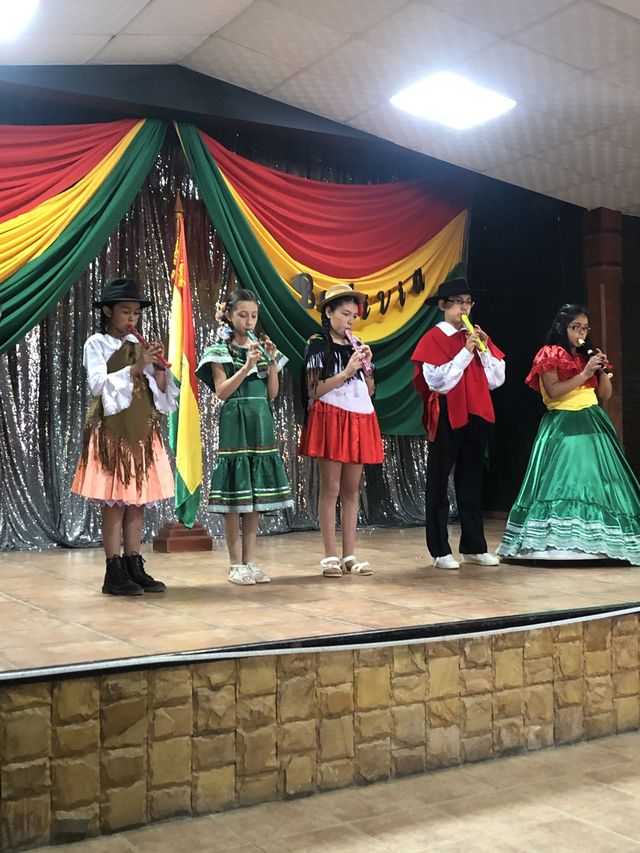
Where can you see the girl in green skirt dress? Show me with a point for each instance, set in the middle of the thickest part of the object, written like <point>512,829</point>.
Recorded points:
<point>249,475</point>
<point>579,499</point>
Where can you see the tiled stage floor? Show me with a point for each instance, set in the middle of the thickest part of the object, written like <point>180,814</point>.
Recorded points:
<point>574,798</point>
<point>52,611</point>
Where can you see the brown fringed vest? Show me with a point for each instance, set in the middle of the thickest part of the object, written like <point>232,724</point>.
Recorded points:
<point>129,435</point>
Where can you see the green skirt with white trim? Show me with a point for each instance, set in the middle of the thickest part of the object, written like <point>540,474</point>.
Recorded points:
<point>580,498</point>
<point>249,474</point>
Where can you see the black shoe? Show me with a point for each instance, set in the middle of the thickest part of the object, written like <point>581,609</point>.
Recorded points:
<point>117,581</point>
<point>134,565</point>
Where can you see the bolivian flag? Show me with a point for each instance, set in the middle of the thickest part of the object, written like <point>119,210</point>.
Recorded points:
<point>184,425</point>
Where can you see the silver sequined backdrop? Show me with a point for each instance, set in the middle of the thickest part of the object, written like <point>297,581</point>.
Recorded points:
<point>44,396</point>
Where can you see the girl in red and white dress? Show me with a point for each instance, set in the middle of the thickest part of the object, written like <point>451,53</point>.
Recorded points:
<point>341,428</point>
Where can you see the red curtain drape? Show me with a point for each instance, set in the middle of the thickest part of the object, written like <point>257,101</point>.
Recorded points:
<point>39,162</point>
<point>343,230</point>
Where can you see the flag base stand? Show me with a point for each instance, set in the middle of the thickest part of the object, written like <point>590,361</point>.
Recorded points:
<point>174,537</point>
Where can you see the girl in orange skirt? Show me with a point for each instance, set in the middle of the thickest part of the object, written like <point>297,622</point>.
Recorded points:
<point>123,463</point>
<point>341,427</point>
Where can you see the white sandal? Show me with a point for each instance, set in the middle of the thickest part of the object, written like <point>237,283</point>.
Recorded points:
<point>240,574</point>
<point>331,567</point>
<point>353,566</point>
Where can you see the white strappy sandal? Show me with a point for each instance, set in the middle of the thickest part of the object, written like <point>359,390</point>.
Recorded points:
<point>331,567</point>
<point>353,566</point>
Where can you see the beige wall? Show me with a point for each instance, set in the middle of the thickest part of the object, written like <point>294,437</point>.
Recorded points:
<point>91,755</point>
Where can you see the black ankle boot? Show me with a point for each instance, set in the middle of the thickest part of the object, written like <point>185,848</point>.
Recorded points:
<point>134,565</point>
<point>117,581</point>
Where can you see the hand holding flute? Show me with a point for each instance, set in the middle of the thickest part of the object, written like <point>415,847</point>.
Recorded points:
<point>155,349</point>
<point>361,348</point>
<point>263,346</point>
<point>477,331</point>
<point>600,361</point>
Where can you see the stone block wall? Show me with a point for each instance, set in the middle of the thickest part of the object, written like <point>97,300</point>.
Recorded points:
<point>89,755</point>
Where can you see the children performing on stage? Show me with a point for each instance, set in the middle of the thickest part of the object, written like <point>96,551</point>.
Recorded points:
<point>341,428</point>
<point>123,463</point>
<point>249,475</point>
<point>579,498</point>
<point>456,367</point>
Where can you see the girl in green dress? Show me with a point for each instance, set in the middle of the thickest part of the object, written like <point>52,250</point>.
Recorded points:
<point>249,475</point>
<point>579,498</point>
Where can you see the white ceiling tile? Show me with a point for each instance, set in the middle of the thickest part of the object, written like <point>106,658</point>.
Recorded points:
<point>535,174</point>
<point>629,7</point>
<point>633,210</point>
<point>348,81</point>
<point>84,16</point>
<point>593,156</point>
<point>589,104</point>
<point>459,147</point>
<point>146,50</point>
<point>434,38</point>
<point>527,130</point>
<point>584,35</point>
<point>238,65</point>
<point>282,34</point>
<point>197,16</point>
<point>626,133</point>
<point>51,49</point>
<point>350,16</point>
<point>500,17</point>
<point>517,71</point>
<point>624,72</point>
<point>628,179</point>
<point>594,194</point>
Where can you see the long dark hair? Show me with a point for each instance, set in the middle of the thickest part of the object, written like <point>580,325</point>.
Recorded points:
<point>332,350</point>
<point>557,334</point>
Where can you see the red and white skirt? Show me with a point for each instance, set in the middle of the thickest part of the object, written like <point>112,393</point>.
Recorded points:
<point>334,433</point>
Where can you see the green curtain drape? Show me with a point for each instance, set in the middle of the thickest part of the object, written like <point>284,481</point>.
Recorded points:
<point>29,294</point>
<point>398,407</point>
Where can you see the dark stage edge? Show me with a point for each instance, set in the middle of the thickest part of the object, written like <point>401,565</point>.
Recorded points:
<point>358,639</point>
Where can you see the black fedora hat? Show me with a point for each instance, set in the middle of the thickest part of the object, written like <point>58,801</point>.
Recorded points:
<point>121,290</point>
<point>452,287</point>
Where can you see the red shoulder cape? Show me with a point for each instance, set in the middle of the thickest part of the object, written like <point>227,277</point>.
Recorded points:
<point>469,397</point>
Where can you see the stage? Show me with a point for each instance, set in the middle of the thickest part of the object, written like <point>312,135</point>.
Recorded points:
<point>118,712</point>
<point>54,614</point>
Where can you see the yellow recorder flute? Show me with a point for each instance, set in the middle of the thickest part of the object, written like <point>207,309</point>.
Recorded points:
<point>481,344</point>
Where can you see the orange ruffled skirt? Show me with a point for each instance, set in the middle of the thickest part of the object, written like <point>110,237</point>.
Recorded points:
<point>334,433</point>
<point>93,482</point>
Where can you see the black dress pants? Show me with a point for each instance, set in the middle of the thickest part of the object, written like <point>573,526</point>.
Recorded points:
<point>464,447</point>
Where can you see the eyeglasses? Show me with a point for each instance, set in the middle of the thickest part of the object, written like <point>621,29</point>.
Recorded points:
<point>578,327</point>
<point>457,301</point>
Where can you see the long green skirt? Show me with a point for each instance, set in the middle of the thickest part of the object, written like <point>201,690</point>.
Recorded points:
<point>249,475</point>
<point>579,498</point>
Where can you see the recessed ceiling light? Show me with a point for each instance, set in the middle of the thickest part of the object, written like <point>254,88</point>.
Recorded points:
<point>452,100</point>
<point>14,17</point>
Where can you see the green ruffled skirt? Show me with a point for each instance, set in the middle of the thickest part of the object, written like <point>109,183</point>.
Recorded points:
<point>249,475</point>
<point>579,498</point>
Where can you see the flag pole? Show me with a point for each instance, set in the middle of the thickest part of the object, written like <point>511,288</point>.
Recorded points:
<point>178,536</point>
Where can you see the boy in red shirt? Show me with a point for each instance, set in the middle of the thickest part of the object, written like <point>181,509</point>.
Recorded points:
<point>454,376</point>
